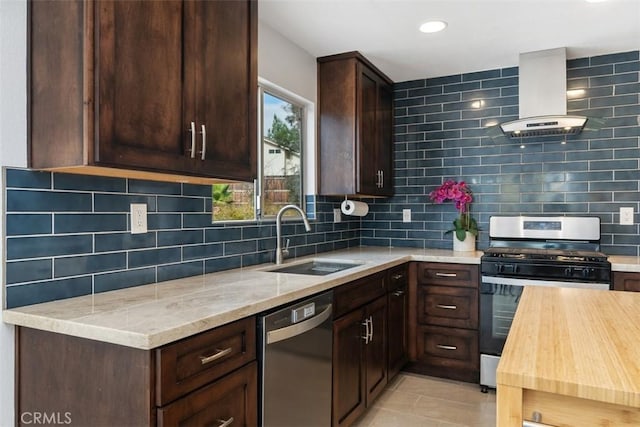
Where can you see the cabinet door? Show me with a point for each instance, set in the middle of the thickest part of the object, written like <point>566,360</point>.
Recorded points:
<point>376,348</point>
<point>139,80</point>
<point>626,281</point>
<point>367,143</point>
<point>232,399</point>
<point>349,398</point>
<point>385,138</point>
<point>397,330</point>
<point>221,59</point>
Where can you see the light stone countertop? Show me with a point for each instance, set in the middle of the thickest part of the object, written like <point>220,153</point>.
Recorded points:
<point>624,263</point>
<point>150,316</point>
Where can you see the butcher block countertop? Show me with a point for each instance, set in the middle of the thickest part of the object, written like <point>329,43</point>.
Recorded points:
<point>150,316</point>
<point>576,343</point>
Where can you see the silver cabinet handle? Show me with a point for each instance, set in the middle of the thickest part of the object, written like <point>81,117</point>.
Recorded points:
<point>215,356</point>
<point>381,179</point>
<point>446,274</point>
<point>398,293</point>
<point>193,139</point>
<point>204,142</point>
<point>371,322</point>
<point>447,347</point>
<point>225,423</point>
<point>397,276</point>
<point>447,307</point>
<point>366,333</point>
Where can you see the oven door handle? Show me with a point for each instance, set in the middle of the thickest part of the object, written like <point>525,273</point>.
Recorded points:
<point>523,281</point>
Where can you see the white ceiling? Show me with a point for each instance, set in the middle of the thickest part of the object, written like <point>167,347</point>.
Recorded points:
<point>481,35</point>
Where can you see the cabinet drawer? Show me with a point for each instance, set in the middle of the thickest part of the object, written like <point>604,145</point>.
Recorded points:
<point>448,274</point>
<point>195,361</point>
<point>448,347</point>
<point>357,293</point>
<point>232,399</point>
<point>448,306</point>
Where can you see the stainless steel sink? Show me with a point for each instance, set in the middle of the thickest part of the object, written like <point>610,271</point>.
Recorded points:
<point>315,267</point>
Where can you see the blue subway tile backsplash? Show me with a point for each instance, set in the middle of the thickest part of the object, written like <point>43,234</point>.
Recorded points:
<point>68,235</point>
<point>442,134</point>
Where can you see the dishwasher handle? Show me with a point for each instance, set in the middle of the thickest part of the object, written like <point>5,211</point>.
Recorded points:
<point>298,328</point>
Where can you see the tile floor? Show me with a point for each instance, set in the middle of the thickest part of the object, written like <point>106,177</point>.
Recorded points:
<point>412,400</point>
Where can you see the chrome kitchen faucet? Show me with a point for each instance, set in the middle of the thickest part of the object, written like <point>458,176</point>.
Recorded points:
<point>281,252</point>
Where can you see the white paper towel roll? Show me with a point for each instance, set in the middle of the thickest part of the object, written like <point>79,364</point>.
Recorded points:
<point>350,207</point>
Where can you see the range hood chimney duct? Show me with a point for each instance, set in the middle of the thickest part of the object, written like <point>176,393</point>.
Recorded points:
<point>543,97</point>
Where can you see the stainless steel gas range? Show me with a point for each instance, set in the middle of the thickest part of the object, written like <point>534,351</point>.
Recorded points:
<point>560,251</point>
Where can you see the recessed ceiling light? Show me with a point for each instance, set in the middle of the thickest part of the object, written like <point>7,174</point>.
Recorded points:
<point>433,26</point>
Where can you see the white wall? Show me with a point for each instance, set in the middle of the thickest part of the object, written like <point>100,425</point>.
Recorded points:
<point>280,62</point>
<point>13,152</point>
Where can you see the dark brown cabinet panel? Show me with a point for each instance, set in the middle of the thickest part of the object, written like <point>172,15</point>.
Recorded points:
<point>349,393</point>
<point>225,400</point>
<point>355,127</point>
<point>199,380</point>
<point>359,347</point>
<point>448,348</point>
<point>623,281</point>
<point>397,309</point>
<point>448,306</point>
<point>157,90</point>
<point>443,321</point>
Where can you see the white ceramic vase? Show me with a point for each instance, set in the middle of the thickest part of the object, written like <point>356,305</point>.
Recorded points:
<point>467,245</point>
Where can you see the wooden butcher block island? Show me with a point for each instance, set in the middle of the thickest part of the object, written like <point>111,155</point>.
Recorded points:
<point>573,357</point>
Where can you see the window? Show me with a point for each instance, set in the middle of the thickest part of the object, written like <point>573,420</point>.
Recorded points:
<point>280,149</point>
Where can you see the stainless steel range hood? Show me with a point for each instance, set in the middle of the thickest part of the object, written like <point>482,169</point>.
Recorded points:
<point>543,97</point>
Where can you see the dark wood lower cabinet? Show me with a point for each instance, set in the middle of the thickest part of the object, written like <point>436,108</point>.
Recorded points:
<point>359,349</point>
<point>397,310</point>
<point>206,379</point>
<point>228,400</point>
<point>443,320</point>
<point>623,281</point>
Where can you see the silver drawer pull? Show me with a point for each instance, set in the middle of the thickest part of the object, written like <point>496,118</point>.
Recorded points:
<point>447,307</point>
<point>447,347</point>
<point>398,293</point>
<point>225,423</point>
<point>397,276</point>
<point>534,424</point>
<point>446,274</point>
<point>217,355</point>
<point>192,150</point>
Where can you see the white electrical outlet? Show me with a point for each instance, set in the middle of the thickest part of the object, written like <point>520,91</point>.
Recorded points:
<point>406,215</point>
<point>626,216</point>
<point>138,218</point>
<point>337,216</point>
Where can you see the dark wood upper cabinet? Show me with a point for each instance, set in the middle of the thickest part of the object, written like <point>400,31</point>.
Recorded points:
<point>158,90</point>
<point>355,127</point>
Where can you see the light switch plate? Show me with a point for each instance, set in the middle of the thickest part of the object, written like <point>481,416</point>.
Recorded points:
<point>626,216</point>
<point>337,216</point>
<point>138,218</point>
<point>406,215</point>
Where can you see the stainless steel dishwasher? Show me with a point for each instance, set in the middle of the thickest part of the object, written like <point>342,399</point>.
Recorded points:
<point>296,354</point>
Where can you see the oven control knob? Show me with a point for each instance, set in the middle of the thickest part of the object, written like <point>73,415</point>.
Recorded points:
<point>568,271</point>
<point>586,272</point>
